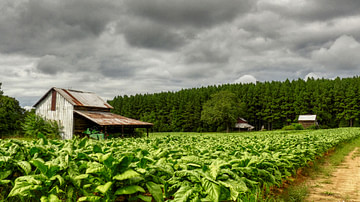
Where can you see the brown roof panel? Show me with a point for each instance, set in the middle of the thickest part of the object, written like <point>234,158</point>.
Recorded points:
<point>110,119</point>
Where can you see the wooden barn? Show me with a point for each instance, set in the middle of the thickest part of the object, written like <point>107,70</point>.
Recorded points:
<point>76,111</point>
<point>307,120</point>
<point>242,124</point>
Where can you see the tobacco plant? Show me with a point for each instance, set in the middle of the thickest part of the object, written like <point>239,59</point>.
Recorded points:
<point>177,167</point>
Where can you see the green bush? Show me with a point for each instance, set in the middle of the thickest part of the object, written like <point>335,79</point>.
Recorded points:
<point>324,127</point>
<point>35,125</point>
<point>313,127</point>
<point>298,126</point>
<point>289,127</point>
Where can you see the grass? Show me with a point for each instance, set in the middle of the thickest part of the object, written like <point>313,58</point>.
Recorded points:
<point>323,166</point>
<point>328,193</point>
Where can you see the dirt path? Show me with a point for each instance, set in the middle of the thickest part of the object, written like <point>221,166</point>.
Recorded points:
<point>342,185</point>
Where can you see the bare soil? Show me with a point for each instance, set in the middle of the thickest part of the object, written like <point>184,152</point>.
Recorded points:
<point>343,184</point>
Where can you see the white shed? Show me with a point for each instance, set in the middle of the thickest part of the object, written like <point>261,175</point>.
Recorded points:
<point>307,120</point>
<point>76,110</point>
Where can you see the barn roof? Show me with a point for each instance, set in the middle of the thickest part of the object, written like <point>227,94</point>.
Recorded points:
<point>79,98</point>
<point>110,119</point>
<point>307,118</point>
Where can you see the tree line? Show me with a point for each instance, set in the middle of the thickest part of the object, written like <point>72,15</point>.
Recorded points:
<point>272,104</point>
<point>11,115</point>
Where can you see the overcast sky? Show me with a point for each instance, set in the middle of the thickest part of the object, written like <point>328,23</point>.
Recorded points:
<point>145,46</point>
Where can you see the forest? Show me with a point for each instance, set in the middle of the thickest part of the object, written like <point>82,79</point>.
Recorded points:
<point>272,104</point>
<point>11,114</point>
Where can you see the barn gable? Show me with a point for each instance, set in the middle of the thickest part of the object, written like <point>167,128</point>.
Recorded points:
<point>53,106</point>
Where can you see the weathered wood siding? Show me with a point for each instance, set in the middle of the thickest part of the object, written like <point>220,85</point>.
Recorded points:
<point>63,114</point>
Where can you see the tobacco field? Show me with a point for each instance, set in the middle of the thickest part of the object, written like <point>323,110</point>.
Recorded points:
<point>165,167</point>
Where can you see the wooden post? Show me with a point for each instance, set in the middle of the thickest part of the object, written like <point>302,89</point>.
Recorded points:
<point>147,132</point>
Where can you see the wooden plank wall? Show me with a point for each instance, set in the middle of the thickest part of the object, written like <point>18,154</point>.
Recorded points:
<point>63,113</point>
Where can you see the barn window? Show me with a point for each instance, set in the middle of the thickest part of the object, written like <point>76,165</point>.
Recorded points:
<point>53,100</point>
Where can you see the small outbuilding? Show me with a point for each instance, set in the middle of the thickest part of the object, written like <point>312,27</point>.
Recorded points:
<point>307,120</point>
<point>76,111</point>
<point>242,124</point>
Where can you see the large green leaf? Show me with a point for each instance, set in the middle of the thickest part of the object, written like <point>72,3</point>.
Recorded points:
<point>23,189</point>
<point>4,182</point>
<point>50,198</point>
<point>212,189</point>
<point>144,198</point>
<point>94,167</point>
<point>25,166</point>
<point>215,168</point>
<point>53,169</point>
<point>129,190</point>
<point>155,191</point>
<point>82,176</point>
<point>104,188</point>
<point>4,159</point>
<point>59,178</point>
<point>39,164</point>
<point>126,175</point>
<point>183,194</point>
<point>236,188</point>
<point>5,174</point>
<point>83,142</point>
<point>90,198</point>
<point>105,157</point>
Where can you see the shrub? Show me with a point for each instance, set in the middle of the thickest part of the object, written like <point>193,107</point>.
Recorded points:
<point>298,126</point>
<point>35,125</point>
<point>289,127</point>
<point>324,127</point>
<point>313,127</point>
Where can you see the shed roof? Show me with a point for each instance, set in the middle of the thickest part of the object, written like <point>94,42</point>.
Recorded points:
<point>244,125</point>
<point>79,98</point>
<point>307,118</point>
<point>110,119</point>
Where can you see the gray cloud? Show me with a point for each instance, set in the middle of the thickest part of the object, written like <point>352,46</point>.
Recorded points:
<point>152,36</point>
<point>38,27</point>
<point>319,10</point>
<point>200,13</point>
<point>50,64</point>
<point>343,55</point>
<point>138,46</point>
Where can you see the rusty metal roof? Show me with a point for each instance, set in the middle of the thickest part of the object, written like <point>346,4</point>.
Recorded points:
<point>79,98</point>
<point>110,119</point>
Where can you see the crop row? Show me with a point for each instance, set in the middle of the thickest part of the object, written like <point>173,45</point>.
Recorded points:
<point>182,167</point>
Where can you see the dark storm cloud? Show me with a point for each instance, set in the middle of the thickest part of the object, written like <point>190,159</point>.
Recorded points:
<point>117,68</point>
<point>319,10</point>
<point>152,36</point>
<point>38,27</point>
<point>206,56</point>
<point>168,25</point>
<point>199,13</point>
<point>172,44</point>
<point>52,65</point>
